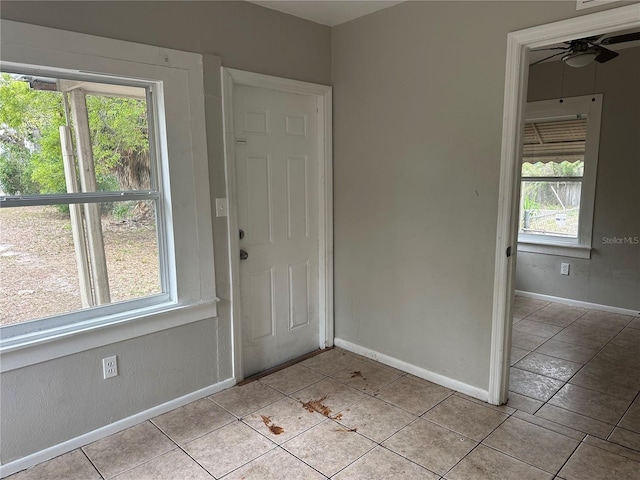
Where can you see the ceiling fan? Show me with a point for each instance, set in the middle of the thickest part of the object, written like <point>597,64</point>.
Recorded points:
<point>581,52</point>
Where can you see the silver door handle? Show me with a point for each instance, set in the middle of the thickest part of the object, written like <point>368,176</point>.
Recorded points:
<point>244,254</point>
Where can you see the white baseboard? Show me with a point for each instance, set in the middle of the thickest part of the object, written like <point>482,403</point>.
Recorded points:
<point>456,385</point>
<point>77,442</point>
<point>578,303</point>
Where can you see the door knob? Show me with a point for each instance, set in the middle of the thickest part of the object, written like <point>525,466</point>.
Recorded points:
<point>241,234</point>
<point>244,255</point>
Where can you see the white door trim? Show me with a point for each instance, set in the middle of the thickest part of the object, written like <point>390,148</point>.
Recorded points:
<point>517,67</point>
<point>323,94</point>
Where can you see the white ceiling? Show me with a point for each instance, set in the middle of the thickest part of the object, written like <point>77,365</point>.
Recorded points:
<point>328,12</point>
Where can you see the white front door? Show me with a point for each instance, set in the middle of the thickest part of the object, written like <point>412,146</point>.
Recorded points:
<point>277,204</point>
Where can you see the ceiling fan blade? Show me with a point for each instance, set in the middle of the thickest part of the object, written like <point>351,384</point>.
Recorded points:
<point>547,58</point>
<point>627,37</point>
<point>604,54</point>
<point>551,48</point>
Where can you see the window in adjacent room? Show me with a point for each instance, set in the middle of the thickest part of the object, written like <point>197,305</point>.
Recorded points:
<point>559,166</point>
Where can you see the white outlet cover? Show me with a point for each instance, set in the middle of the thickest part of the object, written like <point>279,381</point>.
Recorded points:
<point>564,269</point>
<point>110,367</point>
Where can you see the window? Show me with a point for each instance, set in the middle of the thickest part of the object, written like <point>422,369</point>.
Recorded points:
<point>559,166</point>
<point>103,161</point>
<point>78,223</point>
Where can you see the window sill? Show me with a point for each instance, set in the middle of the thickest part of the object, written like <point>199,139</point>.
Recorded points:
<point>37,347</point>
<point>562,250</point>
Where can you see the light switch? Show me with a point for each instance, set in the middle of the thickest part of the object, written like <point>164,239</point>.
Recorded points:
<point>221,207</point>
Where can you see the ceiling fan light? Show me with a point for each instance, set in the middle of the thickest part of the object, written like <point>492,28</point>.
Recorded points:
<point>580,59</point>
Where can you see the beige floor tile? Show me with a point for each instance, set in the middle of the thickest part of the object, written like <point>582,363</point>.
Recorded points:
<point>413,395</point>
<point>515,319</point>
<point>532,444</point>
<point>275,465</point>
<point>381,464</point>
<point>605,320</point>
<point>549,425</point>
<point>487,464</point>
<point>328,447</point>
<point>587,336</point>
<point>560,310</point>
<point>548,366</point>
<point>568,351</point>
<point>626,438</point>
<point>630,335</point>
<point>592,463</point>
<point>613,448</point>
<point>228,448</point>
<point>635,323</point>
<point>430,445</point>
<point>283,420</point>
<point>292,379</point>
<point>367,376</point>
<point>518,354</point>
<point>575,421</point>
<point>174,465</point>
<point>603,407</point>
<point>533,385</point>
<point>613,380</point>
<point>558,321</point>
<point>624,347</point>
<point>536,328</point>
<point>375,419</point>
<point>467,418</point>
<point>247,398</point>
<point>618,361</point>
<point>631,419</point>
<point>329,396</point>
<point>523,403</point>
<point>499,408</point>
<point>523,306</point>
<point>330,361</point>
<point>122,451</point>
<point>193,420</point>
<point>70,466</point>
<point>526,341</point>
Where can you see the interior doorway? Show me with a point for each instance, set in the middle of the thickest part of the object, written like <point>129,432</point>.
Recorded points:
<point>519,45</point>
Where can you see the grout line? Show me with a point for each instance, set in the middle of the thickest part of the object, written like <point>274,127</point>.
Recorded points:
<point>90,461</point>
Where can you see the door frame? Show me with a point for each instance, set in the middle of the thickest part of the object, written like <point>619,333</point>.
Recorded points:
<point>323,95</point>
<point>515,96</point>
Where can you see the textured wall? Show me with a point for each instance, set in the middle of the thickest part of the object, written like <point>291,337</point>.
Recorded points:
<point>612,275</point>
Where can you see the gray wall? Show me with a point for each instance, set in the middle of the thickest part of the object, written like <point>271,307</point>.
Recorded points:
<point>612,275</point>
<point>418,93</point>
<point>51,402</point>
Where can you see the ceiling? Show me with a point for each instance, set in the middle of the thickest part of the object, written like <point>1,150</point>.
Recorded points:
<point>330,13</point>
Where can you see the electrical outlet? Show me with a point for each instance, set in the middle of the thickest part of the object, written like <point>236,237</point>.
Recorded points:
<point>564,269</point>
<point>109,367</point>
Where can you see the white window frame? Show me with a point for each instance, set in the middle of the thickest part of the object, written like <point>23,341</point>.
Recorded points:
<point>554,110</point>
<point>177,79</point>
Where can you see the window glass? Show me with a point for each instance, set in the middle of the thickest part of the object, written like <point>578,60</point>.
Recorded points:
<point>552,174</point>
<point>60,254</point>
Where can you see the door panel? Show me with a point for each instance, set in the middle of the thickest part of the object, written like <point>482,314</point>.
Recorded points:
<point>277,204</point>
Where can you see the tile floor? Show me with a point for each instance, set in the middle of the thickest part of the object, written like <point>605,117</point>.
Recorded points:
<point>574,413</point>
